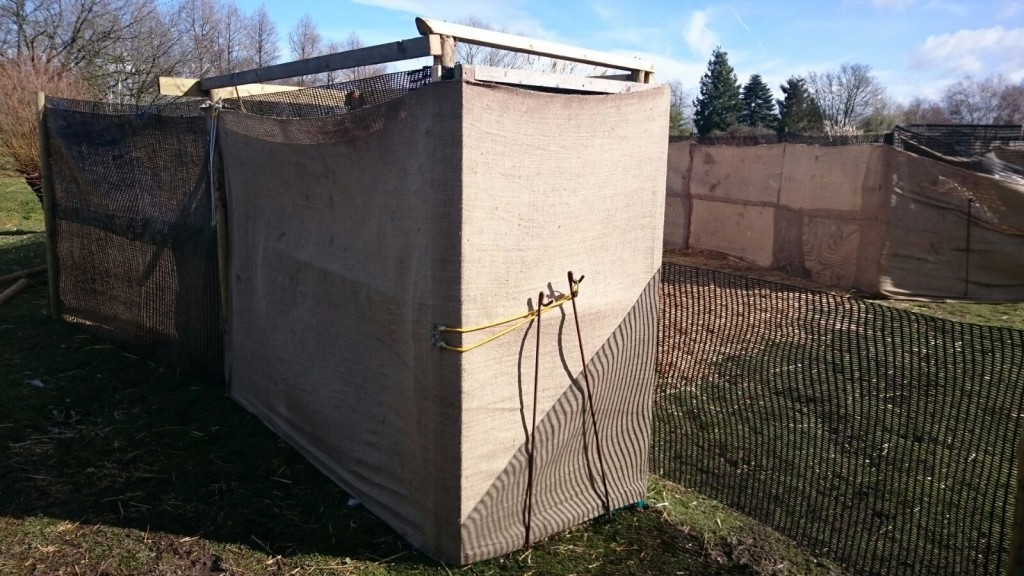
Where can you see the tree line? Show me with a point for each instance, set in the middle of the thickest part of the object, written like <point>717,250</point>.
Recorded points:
<point>848,100</point>
<point>114,51</point>
<point>117,48</point>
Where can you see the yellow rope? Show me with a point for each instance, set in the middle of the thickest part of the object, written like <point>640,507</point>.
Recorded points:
<point>487,340</point>
<point>523,320</point>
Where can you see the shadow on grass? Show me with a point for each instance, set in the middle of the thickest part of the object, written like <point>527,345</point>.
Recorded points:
<point>96,437</point>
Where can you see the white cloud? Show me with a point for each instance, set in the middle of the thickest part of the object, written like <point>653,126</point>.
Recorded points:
<point>604,13</point>
<point>738,19</point>
<point>698,36</point>
<point>895,4</point>
<point>952,8</point>
<point>1010,9</point>
<point>980,51</point>
<point>506,14</point>
<point>667,68</point>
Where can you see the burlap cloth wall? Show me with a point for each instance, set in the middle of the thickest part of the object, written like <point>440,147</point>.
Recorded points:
<point>869,217</point>
<point>352,236</point>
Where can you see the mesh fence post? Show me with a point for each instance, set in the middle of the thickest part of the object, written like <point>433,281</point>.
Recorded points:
<point>49,210</point>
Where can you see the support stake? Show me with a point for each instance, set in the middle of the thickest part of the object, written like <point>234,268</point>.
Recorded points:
<point>49,211</point>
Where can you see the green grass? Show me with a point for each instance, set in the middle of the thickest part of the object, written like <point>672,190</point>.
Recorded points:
<point>883,438</point>
<point>112,465</point>
<point>20,211</point>
<point>1008,315</point>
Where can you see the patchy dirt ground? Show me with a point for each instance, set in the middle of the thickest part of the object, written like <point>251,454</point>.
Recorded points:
<point>713,260</point>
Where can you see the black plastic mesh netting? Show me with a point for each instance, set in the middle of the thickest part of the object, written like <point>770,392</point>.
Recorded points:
<point>996,150</point>
<point>787,137</point>
<point>963,140</point>
<point>137,249</point>
<point>333,98</point>
<point>880,438</point>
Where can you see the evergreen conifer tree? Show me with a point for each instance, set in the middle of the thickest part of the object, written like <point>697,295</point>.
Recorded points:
<point>718,107</point>
<point>758,104</point>
<point>798,110</point>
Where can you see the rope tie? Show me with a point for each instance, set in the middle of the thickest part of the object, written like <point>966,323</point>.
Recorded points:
<point>517,322</point>
<point>211,153</point>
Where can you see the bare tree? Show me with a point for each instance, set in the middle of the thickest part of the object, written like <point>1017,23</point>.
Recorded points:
<point>68,33</point>
<point>229,38</point>
<point>351,43</point>
<point>990,100</point>
<point>199,30</point>
<point>305,41</point>
<point>116,46</point>
<point>333,76</point>
<point>555,66</point>
<point>846,95</point>
<point>924,111</point>
<point>20,77</point>
<point>1011,104</point>
<point>127,73</point>
<point>484,56</point>
<point>260,39</point>
<point>497,58</point>
<point>680,111</point>
<point>883,117</point>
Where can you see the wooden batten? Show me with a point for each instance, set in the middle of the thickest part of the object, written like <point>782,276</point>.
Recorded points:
<point>548,80</point>
<point>173,86</point>
<point>438,39</point>
<point>368,56</point>
<point>526,45</point>
<point>170,86</point>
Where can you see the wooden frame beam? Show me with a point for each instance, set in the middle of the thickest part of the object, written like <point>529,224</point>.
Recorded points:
<point>594,84</point>
<point>172,86</point>
<point>526,45</point>
<point>368,56</point>
<point>438,40</point>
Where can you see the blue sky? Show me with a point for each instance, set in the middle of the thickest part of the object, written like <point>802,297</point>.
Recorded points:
<point>915,47</point>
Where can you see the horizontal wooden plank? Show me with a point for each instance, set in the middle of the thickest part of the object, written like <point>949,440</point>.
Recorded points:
<point>526,45</point>
<point>368,56</point>
<point>172,86</point>
<point>548,80</point>
<point>249,90</point>
<point>620,77</point>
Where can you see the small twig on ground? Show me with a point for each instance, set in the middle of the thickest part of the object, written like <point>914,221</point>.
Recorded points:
<point>10,292</point>
<point>23,274</point>
<point>260,542</point>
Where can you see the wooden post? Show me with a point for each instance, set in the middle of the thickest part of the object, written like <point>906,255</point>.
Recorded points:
<point>49,211</point>
<point>224,266</point>
<point>446,59</point>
